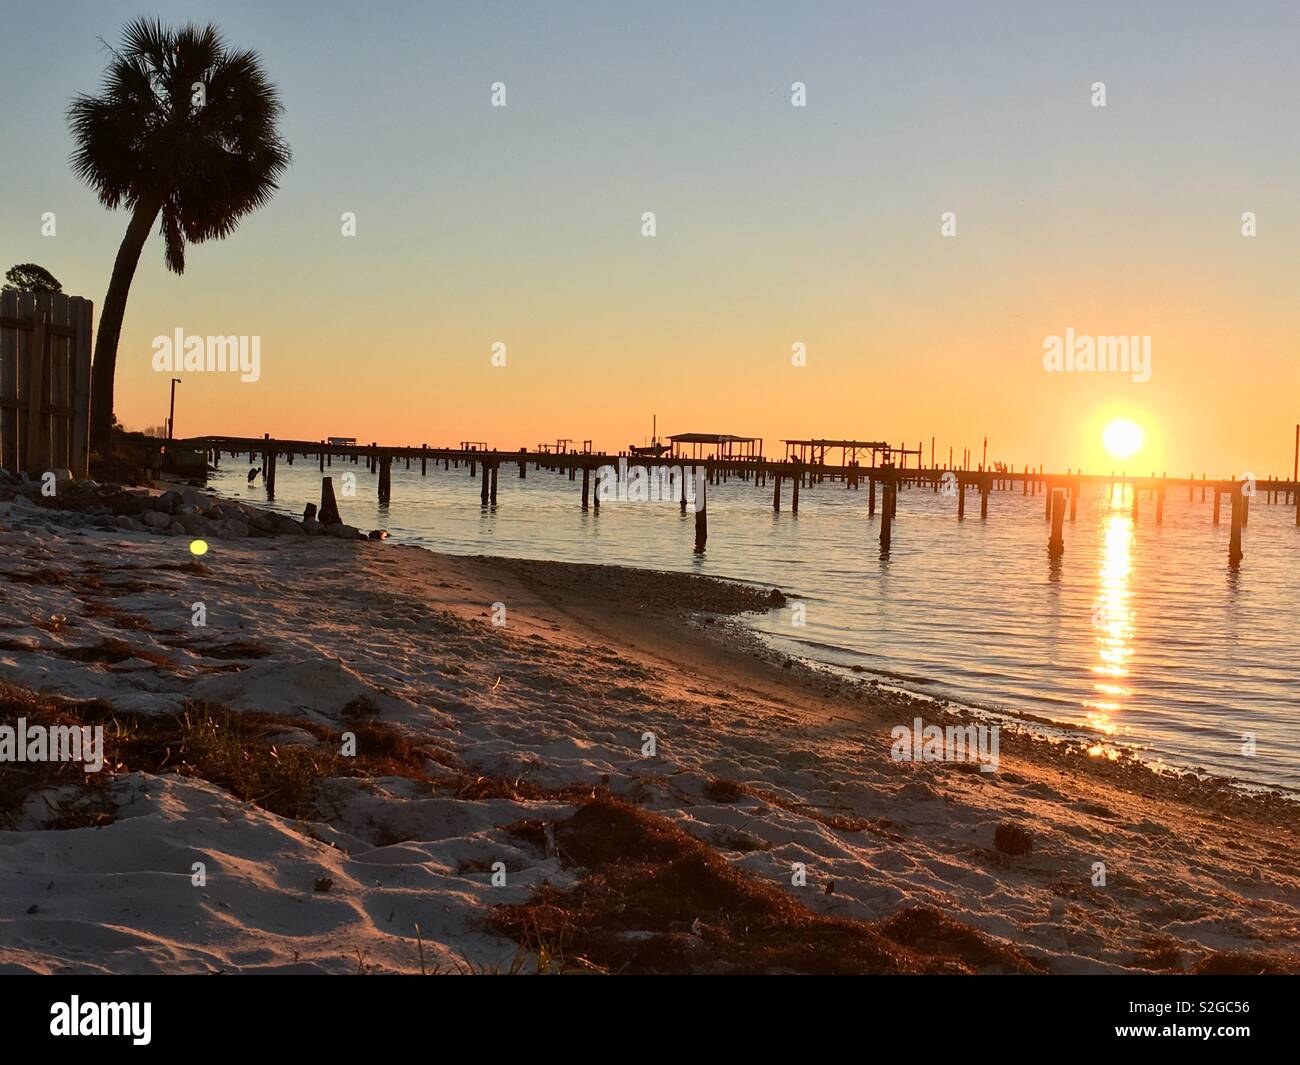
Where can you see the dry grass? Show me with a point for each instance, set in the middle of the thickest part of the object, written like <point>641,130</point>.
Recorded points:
<point>233,750</point>
<point>1245,963</point>
<point>119,618</point>
<point>110,650</point>
<point>656,899</point>
<point>45,576</point>
<point>720,790</point>
<point>231,650</point>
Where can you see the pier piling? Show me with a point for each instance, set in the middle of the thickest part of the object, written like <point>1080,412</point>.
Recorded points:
<point>1234,539</point>
<point>385,476</point>
<point>1056,542</point>
<point>701,510</point>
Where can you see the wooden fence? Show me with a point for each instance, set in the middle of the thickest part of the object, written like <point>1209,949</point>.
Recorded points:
<point>44,382</point>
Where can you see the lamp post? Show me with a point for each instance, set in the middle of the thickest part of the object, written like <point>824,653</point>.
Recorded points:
<point>171,414</point>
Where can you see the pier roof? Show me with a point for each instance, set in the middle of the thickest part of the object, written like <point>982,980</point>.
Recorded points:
<point>878,444</point>
<point>711,438</point>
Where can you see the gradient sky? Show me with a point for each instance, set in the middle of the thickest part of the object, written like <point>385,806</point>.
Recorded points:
<point>775,224</point>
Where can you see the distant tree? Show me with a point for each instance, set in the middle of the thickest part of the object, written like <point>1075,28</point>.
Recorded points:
<point>184,132</point>
<point>28,277</point>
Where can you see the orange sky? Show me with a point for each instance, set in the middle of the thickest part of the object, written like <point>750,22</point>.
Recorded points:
<point>775,225</point>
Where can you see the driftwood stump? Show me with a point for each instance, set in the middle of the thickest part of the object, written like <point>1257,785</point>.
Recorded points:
<point>329,509</point>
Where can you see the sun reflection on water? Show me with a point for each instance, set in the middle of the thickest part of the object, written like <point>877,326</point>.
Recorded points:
<point>1113,617</point>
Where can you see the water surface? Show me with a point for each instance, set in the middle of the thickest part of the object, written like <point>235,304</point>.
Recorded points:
<point>1141,631</point>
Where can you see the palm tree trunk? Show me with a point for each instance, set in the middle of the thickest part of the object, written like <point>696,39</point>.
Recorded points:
<point>110,325</point>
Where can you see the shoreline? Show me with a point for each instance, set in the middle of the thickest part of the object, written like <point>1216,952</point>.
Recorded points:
<point>760,759</point>
<point>1169,743</point>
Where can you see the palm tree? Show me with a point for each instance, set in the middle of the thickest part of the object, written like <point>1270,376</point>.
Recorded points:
<point>183,128</point>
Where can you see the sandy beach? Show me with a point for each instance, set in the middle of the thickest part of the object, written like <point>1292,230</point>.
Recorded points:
<point>504,808</point>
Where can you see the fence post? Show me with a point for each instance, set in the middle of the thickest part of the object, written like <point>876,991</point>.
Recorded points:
<point>34,456</point>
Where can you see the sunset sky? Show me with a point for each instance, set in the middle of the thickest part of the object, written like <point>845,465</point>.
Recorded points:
<point>776,224</point>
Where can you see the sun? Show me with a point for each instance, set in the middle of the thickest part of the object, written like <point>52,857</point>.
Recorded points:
<point>1123,438</point>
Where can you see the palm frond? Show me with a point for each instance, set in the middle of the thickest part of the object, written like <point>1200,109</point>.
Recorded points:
<point>207,158</point>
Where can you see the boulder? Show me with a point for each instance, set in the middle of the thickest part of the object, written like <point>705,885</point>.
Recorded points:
<point>345,532</point>
<point>262,520</point>
<point>288,526</point>
<point>196,524</point>
<point>156,519</point>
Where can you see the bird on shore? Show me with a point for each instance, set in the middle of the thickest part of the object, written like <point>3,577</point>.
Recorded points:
<point>252,474</point>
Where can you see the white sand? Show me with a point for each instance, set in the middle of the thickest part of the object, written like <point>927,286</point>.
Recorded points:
<point>561,695</point>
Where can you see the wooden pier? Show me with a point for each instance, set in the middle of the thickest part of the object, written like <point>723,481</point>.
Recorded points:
<point>805,466</point>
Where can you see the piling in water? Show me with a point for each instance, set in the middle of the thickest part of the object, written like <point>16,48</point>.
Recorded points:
<point>1056,542</point>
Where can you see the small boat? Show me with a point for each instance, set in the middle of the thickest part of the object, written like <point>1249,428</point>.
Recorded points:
<point>653,449</point>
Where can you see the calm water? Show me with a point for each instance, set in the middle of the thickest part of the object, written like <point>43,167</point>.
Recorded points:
<point>1140,631</point>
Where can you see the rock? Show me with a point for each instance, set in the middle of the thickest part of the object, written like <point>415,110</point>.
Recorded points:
<point>186,509</point>
<point>345,532</point>
<point>156,519</point>
<point>128,523</point>
<point>176,529</point>
<point>313,527</point>
<point>232,529</point>
<point>262,520</point>
<point>288,526</point>
<point>196,524</point>
<point>195,498</point>
<point>168,501</point>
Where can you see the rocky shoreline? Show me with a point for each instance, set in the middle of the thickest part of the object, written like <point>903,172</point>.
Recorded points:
<point>185,510</point>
